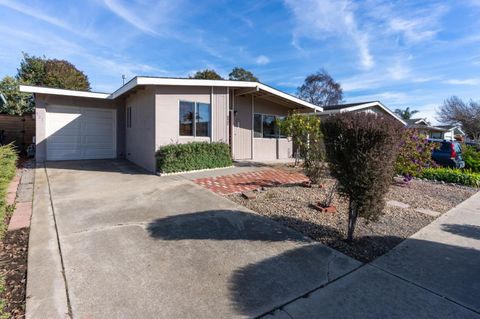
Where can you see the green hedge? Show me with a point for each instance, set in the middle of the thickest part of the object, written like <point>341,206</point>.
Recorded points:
<point>472,158</point>
<point>450,175</point>
<point>192,156</point>
<point>8,164</point>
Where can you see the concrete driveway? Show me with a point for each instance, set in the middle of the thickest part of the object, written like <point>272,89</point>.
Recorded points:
<point>135,245</point>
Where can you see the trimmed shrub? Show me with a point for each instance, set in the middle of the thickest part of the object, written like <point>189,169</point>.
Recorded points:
<point>472,158</point>
<point>8,164</point>
<point>415,154</point>
<point>361,150</point>
<point>193,156</point>
<point>451,175</point>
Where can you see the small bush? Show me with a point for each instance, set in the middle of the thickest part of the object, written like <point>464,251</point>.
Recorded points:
<point>8,164</point>
<point>193,156</point>
<point>451,175</point>
<point>472,158</point>
<point>361,150</point>
<point>415,154</point>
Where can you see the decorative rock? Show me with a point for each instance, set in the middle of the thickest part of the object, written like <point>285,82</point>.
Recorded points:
<point>327,209</point>
<point>249,195</point>
<point>428,212</point>
<point>397,204</point>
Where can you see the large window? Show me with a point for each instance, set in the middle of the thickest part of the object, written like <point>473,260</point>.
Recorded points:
<point>266,126</point>
<point>194,119</point>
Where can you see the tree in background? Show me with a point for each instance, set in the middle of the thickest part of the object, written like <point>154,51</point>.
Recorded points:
<point>415,154</point>
<point>406,113</point>
<point>17,102</point>
<point>320,89</point>
<point>240,74</point>
<point>55,73</point>
<point>361,149</point>
<point>40,71</point>
<point>455,111</point>
<point>206,74</point>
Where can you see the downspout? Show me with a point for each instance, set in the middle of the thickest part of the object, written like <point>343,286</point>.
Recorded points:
<point>232,122</point>
<point>228,110</point>
<point>211,114</point>
<point>251,131</point>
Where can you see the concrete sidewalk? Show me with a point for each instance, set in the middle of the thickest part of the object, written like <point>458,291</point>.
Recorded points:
<point>433,274</point>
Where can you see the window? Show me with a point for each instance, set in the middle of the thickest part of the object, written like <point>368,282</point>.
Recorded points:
<point>266,126</point>
<point>198,111</point>
<point>202,123</point>
<point>187,111</point>
<point>129,117</point>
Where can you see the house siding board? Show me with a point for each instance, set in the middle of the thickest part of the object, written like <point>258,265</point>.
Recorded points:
<point>220,115</point>
<point>140,137</point>
<point>243,127</point>
<point>43,100</point>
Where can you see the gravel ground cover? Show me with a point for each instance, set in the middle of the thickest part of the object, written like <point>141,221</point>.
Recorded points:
<point>291,206</point>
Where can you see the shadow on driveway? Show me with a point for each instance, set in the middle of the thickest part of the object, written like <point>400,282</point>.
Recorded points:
<point>465,230</point>
<point>222,225</point>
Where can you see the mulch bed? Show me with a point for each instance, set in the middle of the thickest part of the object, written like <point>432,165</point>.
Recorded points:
<point>292,206</point>
<point>13,267</point>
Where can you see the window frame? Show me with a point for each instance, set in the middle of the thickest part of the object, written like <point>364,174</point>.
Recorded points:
<point>194,121</point>
<point>277,134</point>
<point>129,117</point>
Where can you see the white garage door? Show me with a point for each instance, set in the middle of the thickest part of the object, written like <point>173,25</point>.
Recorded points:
<point>80,133</point>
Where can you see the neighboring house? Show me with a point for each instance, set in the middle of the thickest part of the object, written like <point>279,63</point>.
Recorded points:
<point>372,107</point>
<point>149,112</point>
<point>437,132</point>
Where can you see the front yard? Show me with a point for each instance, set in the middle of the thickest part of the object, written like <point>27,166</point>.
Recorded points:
<point>291,206</point>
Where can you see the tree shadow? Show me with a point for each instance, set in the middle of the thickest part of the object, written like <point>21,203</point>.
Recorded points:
<point>465,230</point>
<point>258,288</point>
<point>222,225</point>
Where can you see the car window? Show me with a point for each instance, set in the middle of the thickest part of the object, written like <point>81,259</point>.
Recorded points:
<point>445,147</point>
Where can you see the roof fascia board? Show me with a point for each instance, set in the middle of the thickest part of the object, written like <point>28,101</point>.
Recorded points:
<point>52,91</point>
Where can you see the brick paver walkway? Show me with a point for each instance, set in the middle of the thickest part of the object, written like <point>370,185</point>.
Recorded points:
<point>242,182</point>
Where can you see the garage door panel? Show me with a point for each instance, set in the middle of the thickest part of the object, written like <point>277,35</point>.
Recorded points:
<point>80,133</point>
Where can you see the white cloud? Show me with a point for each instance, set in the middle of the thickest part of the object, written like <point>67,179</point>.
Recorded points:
<point>471,81</point>
<point>37,13</point>
<point>325,18</point>
<point>262,60</point>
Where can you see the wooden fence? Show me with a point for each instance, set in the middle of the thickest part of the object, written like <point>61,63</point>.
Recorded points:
<point>18,129</point>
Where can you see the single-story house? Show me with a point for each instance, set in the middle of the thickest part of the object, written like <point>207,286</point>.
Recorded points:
<point>437,132</point>
<point>372,107</point>
<point>149,112</point>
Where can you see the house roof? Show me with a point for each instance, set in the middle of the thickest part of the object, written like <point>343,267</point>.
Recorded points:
<point>246,86</point>
<point>416,121</point>
<point>339,108</point>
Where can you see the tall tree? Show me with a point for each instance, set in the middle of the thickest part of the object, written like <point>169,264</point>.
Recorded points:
<point>206,74</point>
<point>240,74</point>
<point>17,102</point>
<point>51,73</point>
<point>40,71</point>
<point>320,89</point>
<point>406,113</point>
<point>455,111</point>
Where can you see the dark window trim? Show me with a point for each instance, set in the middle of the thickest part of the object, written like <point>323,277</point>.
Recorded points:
<point>129,117</point>
<point>194,122</point>
<point>277,136</point>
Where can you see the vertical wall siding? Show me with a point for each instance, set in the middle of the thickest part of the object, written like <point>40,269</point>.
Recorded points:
<point>140,138</point>
<point>220,115</point>
<point>243,127</point>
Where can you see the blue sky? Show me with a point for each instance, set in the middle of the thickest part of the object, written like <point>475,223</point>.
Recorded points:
<point>403,53</point>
